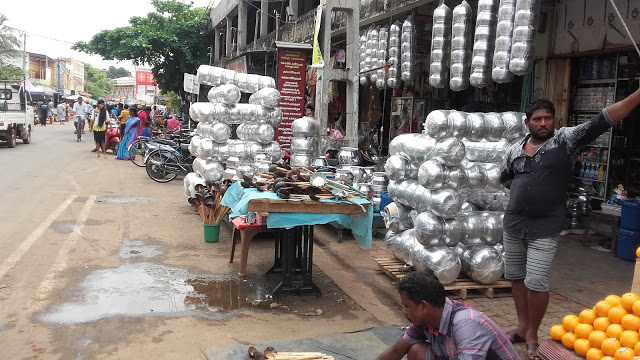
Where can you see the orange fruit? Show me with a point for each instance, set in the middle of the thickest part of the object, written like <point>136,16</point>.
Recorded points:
<point>624,353</point>
<point>636,307</point>
<point>557,331</point>
<point>616,313</point>
<point>606,358</point>
<point>596,337</point>
<point>614,331</point>
<point>638,252</point>
<point>568,339</point>
<point>602,308</point>
<point>627,300</point>
<point>594,354</point>
<point>581,346</point>
<point>587,316</point>
<point>582,331</point>
<point>630,322</point>
<point>613,300</point>
<point>636,348</point>
<point>601,323</point>
<point>570,321</point>
<point>609,346</point>
<point>629,338</point>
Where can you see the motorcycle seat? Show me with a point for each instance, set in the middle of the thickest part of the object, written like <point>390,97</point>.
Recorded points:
<point>184,146</point>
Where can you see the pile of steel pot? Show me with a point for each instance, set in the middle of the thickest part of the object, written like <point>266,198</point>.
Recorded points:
<point>304,143</point>
<point>448,199</point>
<point>255,148</point>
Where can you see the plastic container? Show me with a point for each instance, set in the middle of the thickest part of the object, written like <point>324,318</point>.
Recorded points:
<point>385,200</point>
<point>630,219</point>
<point>628,242</point>
<point>212,233</point>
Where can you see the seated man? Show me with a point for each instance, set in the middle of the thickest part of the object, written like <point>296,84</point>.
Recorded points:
<point>444,329</point>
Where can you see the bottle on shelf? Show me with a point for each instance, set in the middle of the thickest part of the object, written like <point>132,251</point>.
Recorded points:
<point>582,170</point>
<point>601,173</point>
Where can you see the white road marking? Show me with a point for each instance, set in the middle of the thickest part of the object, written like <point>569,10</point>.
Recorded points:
<point>17,254</point>
<point>61,260</point>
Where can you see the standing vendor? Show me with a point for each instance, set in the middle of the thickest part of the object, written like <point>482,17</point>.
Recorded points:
<point>537,170</point>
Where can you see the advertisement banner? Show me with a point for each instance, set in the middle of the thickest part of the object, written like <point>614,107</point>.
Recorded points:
<point>317,52</point>
<point>292,65</point>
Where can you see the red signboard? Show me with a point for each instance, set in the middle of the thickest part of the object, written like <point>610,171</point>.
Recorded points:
<point>292,64</point>
<point>144,77</point>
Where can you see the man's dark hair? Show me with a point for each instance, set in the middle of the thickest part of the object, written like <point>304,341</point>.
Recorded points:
<point>126,106</point>
<point>423,285</point>
<point>544,104</point>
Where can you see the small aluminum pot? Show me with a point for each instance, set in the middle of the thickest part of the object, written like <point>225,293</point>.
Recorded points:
<point>379,178</point>
<point>345,175</point>
<point>349,156</point>
<point>303,145</point>
<point>300,160</point>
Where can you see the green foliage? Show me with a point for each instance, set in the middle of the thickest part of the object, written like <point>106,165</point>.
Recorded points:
<point>97,83</point>
<point>9,43</point>
<point>172,40</point>
<point>114,72</point>
<point>10,72</point>
<point>173,102</point>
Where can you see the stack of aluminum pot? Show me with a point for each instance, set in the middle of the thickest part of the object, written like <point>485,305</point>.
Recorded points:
<point>394,55</point>
<point>304,143</point>
<point>448,200</point>
<point>255,149</point>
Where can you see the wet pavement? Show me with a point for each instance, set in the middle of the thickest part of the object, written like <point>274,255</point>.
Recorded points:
<point>141,288</point>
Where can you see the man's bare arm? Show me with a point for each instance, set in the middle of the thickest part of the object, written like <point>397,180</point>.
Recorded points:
<point>396,351</point>
<point>623,108</point>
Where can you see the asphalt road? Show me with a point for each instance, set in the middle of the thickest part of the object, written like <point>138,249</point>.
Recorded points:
<point>99,262</point>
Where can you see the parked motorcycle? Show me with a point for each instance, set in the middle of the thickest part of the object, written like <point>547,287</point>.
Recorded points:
<point>112,136</point>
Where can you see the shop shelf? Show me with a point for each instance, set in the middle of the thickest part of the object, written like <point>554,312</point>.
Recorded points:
<point>592,197</point>
<point>596,81</point>
<point>581,178</point>
<point>593,162</point>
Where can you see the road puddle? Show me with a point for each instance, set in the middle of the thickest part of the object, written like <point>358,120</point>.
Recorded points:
<point>64,227</point>
<point>142,289</point>
<point>122,199</point>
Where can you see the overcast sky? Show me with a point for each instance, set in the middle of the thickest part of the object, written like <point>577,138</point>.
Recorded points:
<point>52,27</point>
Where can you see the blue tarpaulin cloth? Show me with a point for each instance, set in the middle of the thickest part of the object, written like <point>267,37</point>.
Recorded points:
<point>237,198</point>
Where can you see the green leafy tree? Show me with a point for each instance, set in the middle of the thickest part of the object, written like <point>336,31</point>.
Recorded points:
<point>9,42</point>
<point>10,72</point>
<point>172,40</point>
<point>97,83</point>
<point>113,72</point>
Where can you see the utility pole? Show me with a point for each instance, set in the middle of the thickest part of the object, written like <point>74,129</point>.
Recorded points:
<point>24,59</point>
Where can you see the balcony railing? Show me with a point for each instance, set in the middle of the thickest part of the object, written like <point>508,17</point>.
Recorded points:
<point>301,31</point>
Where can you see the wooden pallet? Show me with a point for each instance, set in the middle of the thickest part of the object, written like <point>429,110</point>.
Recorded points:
<point>460,288</point>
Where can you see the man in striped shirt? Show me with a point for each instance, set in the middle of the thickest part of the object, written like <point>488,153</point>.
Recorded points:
<point>444,329</point>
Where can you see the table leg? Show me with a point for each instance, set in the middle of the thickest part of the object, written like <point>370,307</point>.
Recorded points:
<point>297,262</point>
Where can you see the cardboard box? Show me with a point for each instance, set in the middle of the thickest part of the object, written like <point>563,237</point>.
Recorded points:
<point>616,35</point>
<point>568,21</point>
<point>594,29</point>
<point>633,19</point>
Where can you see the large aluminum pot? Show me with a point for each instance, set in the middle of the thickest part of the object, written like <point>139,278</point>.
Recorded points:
<point>228,94</point>
<point>450,151</point>
<point>273,149</point>
<point>496,126</point>
<point>194,144</point>
<point>301,160</point>
<point>358,174</point>
<point>219,132</point>
<point>436,124</point>
<point>265,133</point>
<point>212,171</point>
<point>429,228</point>
<point>445,203</point>
<point>220,152</point>
<point>483,263</point>
<point>452,232</point>
<point>245,170</point>
<point>513,124</point>
<point>304,145</point>
<point>396,217</point>
<point>444,262</point>
<point>304,126</point>
<point>478,127</point>
<point>348,156</point>
<point>492,227</point>
<point>431,174</point>
<point>380,179</point>
<point>206,148</point>
<point>459,124</point>
<point>473,226</point>
<point>456,177</point>
<point>267,97</point>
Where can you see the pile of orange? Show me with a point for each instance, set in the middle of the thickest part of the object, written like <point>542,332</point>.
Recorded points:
<point>610,330</point>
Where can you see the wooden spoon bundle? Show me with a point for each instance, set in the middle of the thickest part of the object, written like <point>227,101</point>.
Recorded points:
<point>207,200</point>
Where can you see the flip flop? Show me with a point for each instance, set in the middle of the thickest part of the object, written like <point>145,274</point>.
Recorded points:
<point>514,338</point>
<point>532,352</point>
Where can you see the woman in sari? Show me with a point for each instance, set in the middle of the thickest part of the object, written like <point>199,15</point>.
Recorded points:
<point>130,135</point>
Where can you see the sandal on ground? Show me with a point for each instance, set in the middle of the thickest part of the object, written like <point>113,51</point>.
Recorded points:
<point>514,338</point>
<point>532,352</point>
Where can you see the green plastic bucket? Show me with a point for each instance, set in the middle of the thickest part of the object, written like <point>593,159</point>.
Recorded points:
<point>211,233</point>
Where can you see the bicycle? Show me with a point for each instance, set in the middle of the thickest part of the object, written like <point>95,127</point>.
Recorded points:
<point>140,147</point>
<point>164,165</point>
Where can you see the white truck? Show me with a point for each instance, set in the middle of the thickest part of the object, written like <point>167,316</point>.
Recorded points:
<point>16,113</point>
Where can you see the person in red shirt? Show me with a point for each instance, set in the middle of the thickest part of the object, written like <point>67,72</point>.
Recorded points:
<point>143,115</point>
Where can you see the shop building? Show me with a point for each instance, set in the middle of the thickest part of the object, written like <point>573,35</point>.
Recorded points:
<point>583,62</point>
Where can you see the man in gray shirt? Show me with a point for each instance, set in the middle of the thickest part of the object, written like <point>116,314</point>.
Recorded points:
<point>442,328</point>
<point>538,170</point>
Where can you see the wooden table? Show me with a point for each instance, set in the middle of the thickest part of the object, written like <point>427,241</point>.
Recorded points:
<point>293,256</point>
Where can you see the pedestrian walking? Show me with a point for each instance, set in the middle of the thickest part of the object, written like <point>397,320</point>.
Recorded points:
<point>538,170</point>
<point>442,328</point>
<point>50,109</point>
<point>130,134</point>
<point>60,110</point>
<point>44,110</point>
<point>99,127</point>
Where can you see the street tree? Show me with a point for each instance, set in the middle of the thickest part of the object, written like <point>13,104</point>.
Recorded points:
<point>113,72</point>
<point>97,83</point>
<point>172,40</point>
<point>10,72</point>
<point>9,42</point>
